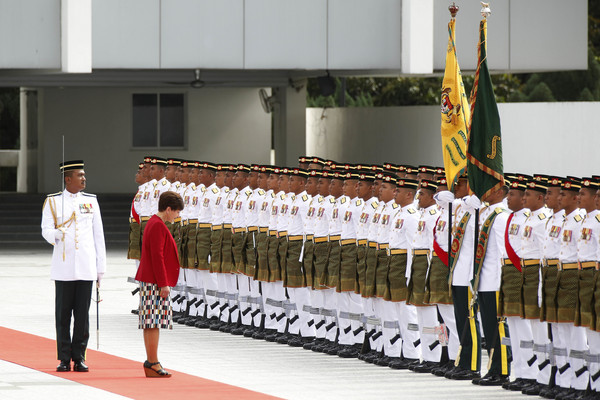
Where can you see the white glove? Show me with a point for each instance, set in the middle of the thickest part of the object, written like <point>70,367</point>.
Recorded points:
<point>443,198</point>
<point>59,234</point>
<point>472,202</point>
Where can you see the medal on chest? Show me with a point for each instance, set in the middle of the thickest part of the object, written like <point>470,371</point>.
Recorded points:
<point>514,229</point>
<point>334,215</point>
<point>554,231</point>
<point>347,216</point>
<point>238,205</point>
<point>364,217</point>
<point>229,204</point>
<point>376,218</point>
<point>321,212</point>
<point>421,226</point>
<point>399,224</point>
<point>311,212</point>
<point>284,209</point>
<point>206,202</point>
<point>294,210</point>
<point>567,235</point>
<point>194,200</point>
<point>251,204</point>
<point>385,219</point>
<point>586,234</point>
<point>441,225</point>
<point>85,208</point>
<point>527,232</point>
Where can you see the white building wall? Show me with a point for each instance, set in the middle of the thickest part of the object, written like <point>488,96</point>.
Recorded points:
<point>225,125</point>
<point>549,138</point>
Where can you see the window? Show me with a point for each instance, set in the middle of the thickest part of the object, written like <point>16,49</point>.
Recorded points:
<point>158,120</point>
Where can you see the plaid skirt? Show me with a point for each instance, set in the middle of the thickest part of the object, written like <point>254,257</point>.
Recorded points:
<point>154,312</point>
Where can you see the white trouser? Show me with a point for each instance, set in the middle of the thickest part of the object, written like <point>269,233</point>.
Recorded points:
<point>390,328</point>
<point>221,289</point>
<point>244,301</point>
<point>316,300</point>
<point>539,329</point>
<point>330,305</point>
<point>180,282</point>
<point>350,303</point>
<point>593,338</point>
<point>191,278</point>
<point>301,297</point>
<point>428,321</point>
<point>409,329</point>
<point>257,303</point>
<point>521,346</point>
<point>447,313</point>
<point>571,338</point>
<point>232,291</point>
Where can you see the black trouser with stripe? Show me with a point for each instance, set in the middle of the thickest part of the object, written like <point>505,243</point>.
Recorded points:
<point>468,329</point>
<point>72,298</point>
<point>494,331</point>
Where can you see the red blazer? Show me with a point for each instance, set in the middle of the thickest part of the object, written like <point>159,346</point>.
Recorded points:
<point>159,262</point>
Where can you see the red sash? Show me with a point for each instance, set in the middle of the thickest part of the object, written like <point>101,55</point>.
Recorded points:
<point>442,255</point>
<point>514,258</point>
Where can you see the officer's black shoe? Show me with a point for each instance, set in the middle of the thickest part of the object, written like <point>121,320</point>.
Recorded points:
<point>135,311</point>
<point>64,366</point>
<point>295,342</point>
<point>191,321</point>
<point>533,390</point>
<point>250,331</point>
<point>372,359</point>
<point>79,366</point>
<point>332,350</point>
<point>272,337</point>
<point>591,395</point>
<point>215,326</point>
<point>320,348</point>
<point>491,380</point>
<point>571,394</point>
<point>402,363</point>
<point>425,367</point>
<point>443,368</point>
<point>182,320</point>
<point>349,351</point>
<point>362,356</point>
<point>518,384</point>
<point>204,323</point>
<point>552,392</point>
<point>461,374</point>
<point>383,361</point>
<point>227,328</point>
<point>238,331</point>
<point>314,342</point>
<point>283,338</point>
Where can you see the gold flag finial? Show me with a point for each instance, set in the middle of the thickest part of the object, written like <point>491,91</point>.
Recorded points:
<point>453,8</point>
<point>485,9</point>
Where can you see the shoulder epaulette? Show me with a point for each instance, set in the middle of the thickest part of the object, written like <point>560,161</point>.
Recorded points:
<point>394,206</point>
<point>332,200</point>
<point>411,210</point>
<point>374,204</point>
<point>358,202</point>
<point>598,217</point>
<point>282,197</point>
<point>293,197</point>
<point>165,182</point>
<point>542,216</point>
<point>88,194</point>
<point>248,193</point>
<point>304,198</point>
<point>261,192</point>
<point>432,211</point>
<point>499,210</point>
<point>527,214</point>
<point>577,218</point>
<point>321,199</point>
<point>203,189</point>
<point>215,190</point>
<point>227,190</point>
<point>178,185</point>
<point>54,194</point>
<point>272,195</point>
<point>155,183</point>
<point>343,200</point>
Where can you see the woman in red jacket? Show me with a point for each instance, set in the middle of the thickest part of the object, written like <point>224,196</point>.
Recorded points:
<point>158,271</point>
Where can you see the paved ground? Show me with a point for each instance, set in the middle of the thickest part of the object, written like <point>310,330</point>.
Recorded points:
<point>279,370</point>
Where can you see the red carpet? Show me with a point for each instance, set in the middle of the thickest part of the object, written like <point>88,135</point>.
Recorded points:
<point>114,374</point>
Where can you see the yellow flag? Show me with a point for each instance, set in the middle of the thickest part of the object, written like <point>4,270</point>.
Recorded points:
<point>455,115</point>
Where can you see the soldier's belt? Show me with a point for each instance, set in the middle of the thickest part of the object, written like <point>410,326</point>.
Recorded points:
<point>202,225</point>
<point>238,230</point>
<point>362,242</point>
<point>272,233</point>
<point>309,237</point>
<point>567,266</point>
<point>227,226</point>
<point>394,252</point>
<point>588,265</point>
<point>131,220</point>
<point>263,229</point>
<point>531,262</point>
<point>347,241</point>
<point>420,252</point>
<point>216,227</point>
<point>551,262</point>
<point>144,219</point>
<point>295,238</point>
<point>281,234</point>
<point>334,237</point>
<point>212,293</point>
<point>192,221</point>
<point>506,261</point>
<point>321,239</point>
<point>383,246</point>
<point>373,244</point>
<point>176,220</point>
<point>252,229</point>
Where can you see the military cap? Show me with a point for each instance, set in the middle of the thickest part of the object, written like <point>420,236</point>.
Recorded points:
<point>571,184</point>
<point>554,181</point>
<point>315,173</point>
<point>410,169</point>
<point>148,159</point>
<point>426,169</point>
<point>141,165</point>
<point>407,183</point>
<point>173,161</point>
<point>390,167</point>
<point>440,170</point>
<point>70,165</point>
<point>265,169</point>
<point>538,185</point>
<point>298,172</point>
<point>428,184</point>
<point>208,165</point>
<point>389,178</point>
<point>366,176</point>
<point>442,181</point>
<point>159,160</point>
<point>590,183</point>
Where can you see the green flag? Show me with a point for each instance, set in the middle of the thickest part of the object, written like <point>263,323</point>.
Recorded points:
<point>484,153</point>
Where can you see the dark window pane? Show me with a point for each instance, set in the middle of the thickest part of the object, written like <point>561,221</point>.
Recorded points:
<point>145,120</point>
<point>171,120</point>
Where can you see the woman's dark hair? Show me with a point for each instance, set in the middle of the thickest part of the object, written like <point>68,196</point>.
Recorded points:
<point>170,199</point>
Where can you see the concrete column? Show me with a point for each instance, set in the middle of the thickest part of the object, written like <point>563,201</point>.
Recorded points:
<point>22,163</point>
<point>76,36</point>
<point>27,153</point>
<point>289,123</point>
